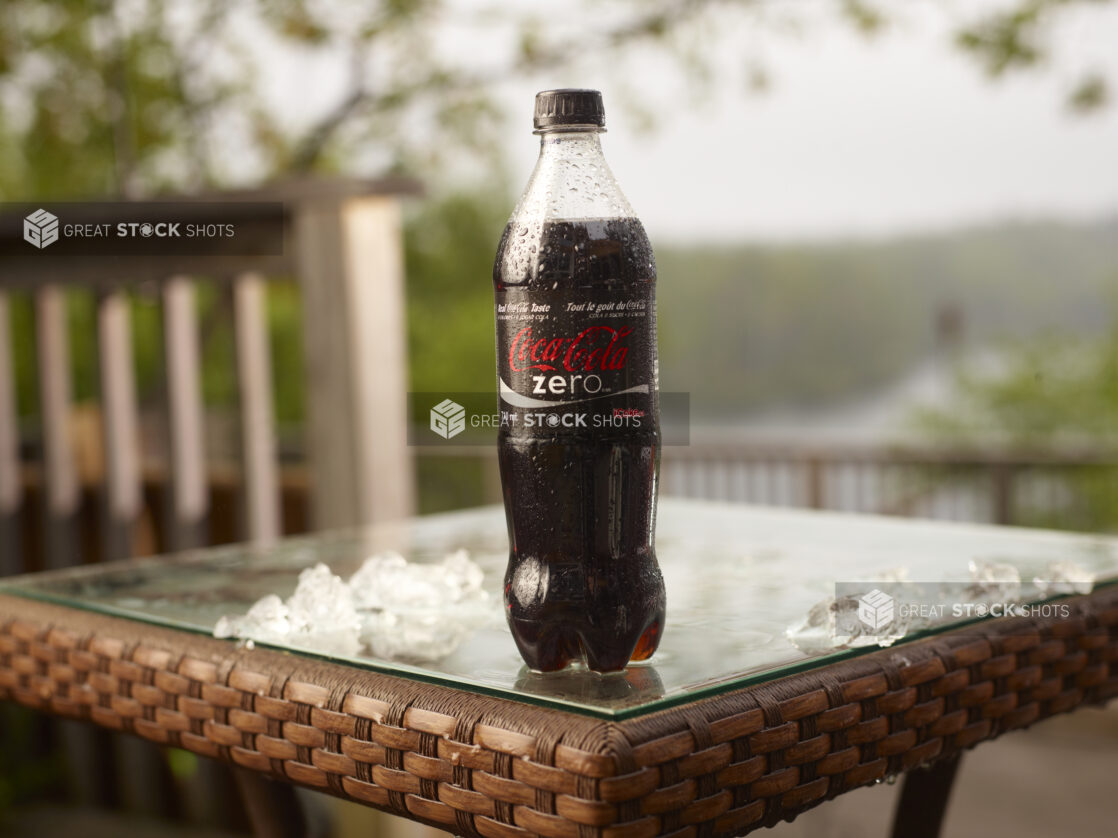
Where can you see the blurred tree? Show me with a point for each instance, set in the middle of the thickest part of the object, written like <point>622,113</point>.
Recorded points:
<point>159,94</point>
<point>1053,392</point>
<point>109,97</point>
<point>1050,395</point>
<point>1014,38</point>
<point>450,314</point>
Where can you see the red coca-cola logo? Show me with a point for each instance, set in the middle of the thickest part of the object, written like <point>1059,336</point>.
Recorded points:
<point>592,349</point>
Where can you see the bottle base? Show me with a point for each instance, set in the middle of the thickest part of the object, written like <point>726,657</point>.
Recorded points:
<point>551,648</point>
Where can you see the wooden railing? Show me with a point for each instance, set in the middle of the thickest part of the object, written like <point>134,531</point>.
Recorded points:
<point>991,485</point>
<point>996,485</point>
<point>344,248</point>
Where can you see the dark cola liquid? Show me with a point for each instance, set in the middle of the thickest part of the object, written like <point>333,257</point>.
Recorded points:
<point>582,581</point>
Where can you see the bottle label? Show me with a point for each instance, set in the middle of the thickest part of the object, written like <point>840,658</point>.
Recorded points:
<point>577,361</point>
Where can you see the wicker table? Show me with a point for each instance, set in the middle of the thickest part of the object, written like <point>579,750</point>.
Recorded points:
<point>730,728</point>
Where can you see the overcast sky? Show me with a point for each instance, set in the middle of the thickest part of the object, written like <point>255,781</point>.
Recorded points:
<point>861,137</point>
<point>855,137</point>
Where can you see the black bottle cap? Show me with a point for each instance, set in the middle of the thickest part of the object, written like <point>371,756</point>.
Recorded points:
<point>569,106</point>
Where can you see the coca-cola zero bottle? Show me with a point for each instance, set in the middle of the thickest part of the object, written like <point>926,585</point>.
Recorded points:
<point>579,439</point>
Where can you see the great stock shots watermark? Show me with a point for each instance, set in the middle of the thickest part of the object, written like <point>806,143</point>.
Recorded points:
<point>55,231</point>
<point>473,418</point>
<point>883,612</point>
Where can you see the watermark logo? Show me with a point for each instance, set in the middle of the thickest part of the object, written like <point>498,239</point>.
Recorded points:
<point>40,229</point>
<point>875,609</point>
<point>77,230</point>
<point>895,609</point>
<point>448,419</point>
<point>460,417</point>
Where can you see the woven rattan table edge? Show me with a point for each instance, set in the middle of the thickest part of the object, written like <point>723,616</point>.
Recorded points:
<point>488,766</point>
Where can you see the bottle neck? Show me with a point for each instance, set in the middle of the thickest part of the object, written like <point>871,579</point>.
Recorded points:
<point>580,133</point>
<point>572,179</point>
<point>579,143</point>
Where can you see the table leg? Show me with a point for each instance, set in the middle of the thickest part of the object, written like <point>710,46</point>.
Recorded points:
<point>272,807</point>
<point>923,801</point>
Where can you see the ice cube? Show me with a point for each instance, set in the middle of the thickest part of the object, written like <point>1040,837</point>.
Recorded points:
<point>322,612</point>
<point>226,627</point>
<point>391,607</point>
<point>269,616</point>
<point>373,582</point>
<point>319,615</point>
<point>993,582</point>
<point>1065,577</point>
<point>418,612</point>
<point>837,623</point>
<point>420,637</point>
<point>815,634</point>
<point>388,580</point>
<point>266,620</point>
<point>464,576</point>
<point>322,602</point>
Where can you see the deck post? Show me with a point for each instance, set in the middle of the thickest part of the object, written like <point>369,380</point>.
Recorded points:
<point>189,498</point>
<point>11,482</point>
<point>349,257</point>
<point>1001,496</point>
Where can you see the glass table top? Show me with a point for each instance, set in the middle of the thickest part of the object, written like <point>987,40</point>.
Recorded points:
<point>738,579</point>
